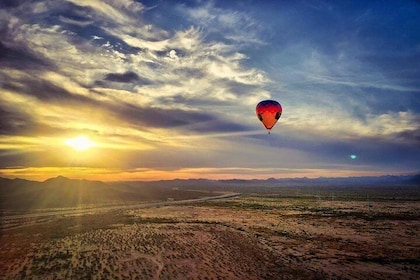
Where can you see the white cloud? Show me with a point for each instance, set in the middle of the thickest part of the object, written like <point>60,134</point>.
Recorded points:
<point>339,124</point>
<point>172,54</point>
<point>201,71</point>
<point>94,37</point>
<point>232,25</point>
<point>114,10</point>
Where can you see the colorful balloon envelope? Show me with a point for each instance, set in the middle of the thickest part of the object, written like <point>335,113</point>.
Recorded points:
<point>268,112</point>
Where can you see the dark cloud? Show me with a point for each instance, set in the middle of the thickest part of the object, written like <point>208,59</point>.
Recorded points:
<point>146,117</point>
<point>193,73</point>
<point>19,121</point>
<point>41,89</point>
<point>125,81</point>
<point>156,117</point>
<point>204,100</point>
<point>13,122</point>
<point>237,88</point>
<point>48,92</point>
<point>220,126</point>
<point>409,136</point>
<point>127,77</point>
<point>10,157</point>
<point>22,58</point>
<point>11,3</point>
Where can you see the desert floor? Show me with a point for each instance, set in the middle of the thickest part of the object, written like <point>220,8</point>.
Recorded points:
<point>248,237</point>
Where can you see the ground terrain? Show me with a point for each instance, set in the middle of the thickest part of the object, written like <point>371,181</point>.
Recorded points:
<point>264,235</point>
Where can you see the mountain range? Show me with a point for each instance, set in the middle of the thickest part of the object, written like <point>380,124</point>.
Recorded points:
<point>61,192</point>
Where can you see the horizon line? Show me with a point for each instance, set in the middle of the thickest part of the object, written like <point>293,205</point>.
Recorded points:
<point>404,174</point>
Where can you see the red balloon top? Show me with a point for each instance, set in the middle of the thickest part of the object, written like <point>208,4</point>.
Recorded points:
<point>268,112</point>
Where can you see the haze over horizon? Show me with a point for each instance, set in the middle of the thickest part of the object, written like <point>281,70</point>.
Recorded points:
<point>151,90</point>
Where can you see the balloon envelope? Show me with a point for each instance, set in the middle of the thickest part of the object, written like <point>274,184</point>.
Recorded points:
<point>268,112</point>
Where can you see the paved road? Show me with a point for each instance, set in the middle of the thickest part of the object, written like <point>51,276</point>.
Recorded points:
<point>118,207</point>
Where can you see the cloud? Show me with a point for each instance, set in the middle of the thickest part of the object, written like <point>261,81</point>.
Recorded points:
<point>176,84</point>
<point>127,77</point>
<point>409,136</point>
<point>119,12</point>
<point>227,25</point>
<point>41,89</point>
<point>15,58</point>
<point>345,125</point>
<point>215,61</point>
<point>14,122</point>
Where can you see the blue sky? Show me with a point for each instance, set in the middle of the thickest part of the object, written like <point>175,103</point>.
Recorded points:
<point>168,89</point>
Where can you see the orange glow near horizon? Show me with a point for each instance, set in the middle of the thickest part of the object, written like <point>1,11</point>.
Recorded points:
<point>145,174</point>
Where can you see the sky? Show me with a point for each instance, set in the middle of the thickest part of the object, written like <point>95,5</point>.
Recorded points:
<point>120,90</point>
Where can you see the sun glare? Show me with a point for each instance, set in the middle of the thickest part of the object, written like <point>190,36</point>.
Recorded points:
<point>80,143</point>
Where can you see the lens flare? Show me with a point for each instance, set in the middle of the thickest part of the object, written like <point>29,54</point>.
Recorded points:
<point>80,143</point>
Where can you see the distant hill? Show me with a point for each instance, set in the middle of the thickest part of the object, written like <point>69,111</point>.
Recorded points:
<point>407,186</point>
<point>343,181</point>
<point>64,192</point>
<point>387,180</point>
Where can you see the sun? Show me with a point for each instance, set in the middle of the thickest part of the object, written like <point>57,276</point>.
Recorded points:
<point>80,143</point>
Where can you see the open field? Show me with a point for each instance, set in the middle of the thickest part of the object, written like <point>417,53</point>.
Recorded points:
<point>248,237</point>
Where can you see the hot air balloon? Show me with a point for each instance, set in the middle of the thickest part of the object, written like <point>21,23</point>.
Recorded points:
<point>268,112</point>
